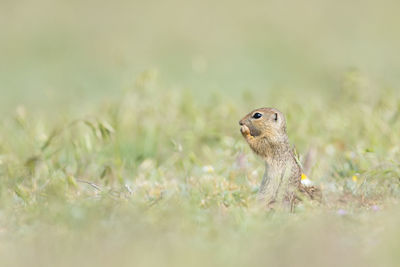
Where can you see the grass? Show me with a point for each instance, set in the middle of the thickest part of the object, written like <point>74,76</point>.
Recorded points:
<point>154,178</point>
<point>120,144</point>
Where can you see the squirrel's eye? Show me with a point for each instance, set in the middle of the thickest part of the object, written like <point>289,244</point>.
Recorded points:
<point>257,115</point>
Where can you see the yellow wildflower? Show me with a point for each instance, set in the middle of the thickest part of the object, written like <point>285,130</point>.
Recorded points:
<point>304,180</point>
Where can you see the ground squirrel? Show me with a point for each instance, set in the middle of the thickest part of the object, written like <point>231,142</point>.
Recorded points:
<point>265,131</point>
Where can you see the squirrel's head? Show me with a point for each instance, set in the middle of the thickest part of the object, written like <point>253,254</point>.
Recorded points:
<point>268,123</point>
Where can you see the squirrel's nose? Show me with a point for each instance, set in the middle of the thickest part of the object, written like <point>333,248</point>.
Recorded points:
<point>241,123</point>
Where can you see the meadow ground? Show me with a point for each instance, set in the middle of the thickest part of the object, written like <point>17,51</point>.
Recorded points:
<point>120,143</point>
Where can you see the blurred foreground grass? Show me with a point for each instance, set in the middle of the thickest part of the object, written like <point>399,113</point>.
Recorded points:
<point>102,164</point>
<point>154,178</point>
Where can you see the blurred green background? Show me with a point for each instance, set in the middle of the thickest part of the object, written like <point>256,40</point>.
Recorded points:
<point>65,52</point>
<point>119,142</point>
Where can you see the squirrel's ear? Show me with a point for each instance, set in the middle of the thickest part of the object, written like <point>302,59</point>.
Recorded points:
<point>276,117</point>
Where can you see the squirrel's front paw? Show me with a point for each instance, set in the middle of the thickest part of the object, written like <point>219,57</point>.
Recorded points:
<point>245,131</point>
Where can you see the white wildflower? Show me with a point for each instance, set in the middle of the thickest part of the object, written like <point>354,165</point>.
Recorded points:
<point>305,180</point>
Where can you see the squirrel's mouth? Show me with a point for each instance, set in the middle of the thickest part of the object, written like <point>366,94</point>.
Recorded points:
<point>253,130</point>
